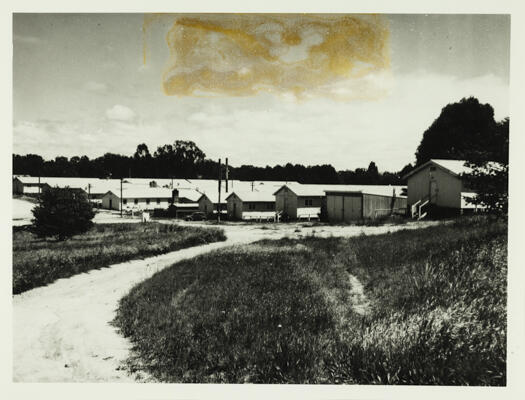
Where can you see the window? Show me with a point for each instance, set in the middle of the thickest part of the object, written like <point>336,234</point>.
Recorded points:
<point>432,168</point>
<point>136,201</point>
<point>308,202</point>
<point>125,201</point>
<point>251,206</point>
<point>147,201</point>
<point>158,201</point>
<point>269,206</point>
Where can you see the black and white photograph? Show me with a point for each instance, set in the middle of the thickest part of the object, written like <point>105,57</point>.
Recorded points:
<point>260,199</point>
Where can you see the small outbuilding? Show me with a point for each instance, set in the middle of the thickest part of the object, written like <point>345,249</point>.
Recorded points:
<point>349,205</point>
<point>251,205</point>
<point>296,201</point>
<point>209,204</point>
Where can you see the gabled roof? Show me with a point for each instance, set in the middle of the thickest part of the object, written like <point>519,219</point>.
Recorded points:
<point>190,194</point>
<point>320,190</point>
<point>214,197</point>
<point>454,167</point>
<point>143,193</point>
<point>254,196</point>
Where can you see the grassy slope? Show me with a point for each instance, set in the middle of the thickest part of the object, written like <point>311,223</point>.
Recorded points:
<point>37,262</point>
<point>290,311</point>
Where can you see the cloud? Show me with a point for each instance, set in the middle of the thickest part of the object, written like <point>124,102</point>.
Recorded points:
<point>96,87</point>
<point>120,113</point>
<point>299,55</point>
<point>265,130</point>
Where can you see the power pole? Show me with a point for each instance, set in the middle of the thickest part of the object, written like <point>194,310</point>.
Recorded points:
<point>227,175</point>
<point>120,197</point>
<point>89,191</point>
<point>39,188</point>
<point>219,203</point>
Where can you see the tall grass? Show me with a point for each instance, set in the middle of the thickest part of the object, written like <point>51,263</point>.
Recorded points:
<point>431,310</point>
<point>37,262</point>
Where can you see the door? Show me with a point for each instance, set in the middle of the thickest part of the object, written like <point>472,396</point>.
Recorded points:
<point>433,192</point>
<point>110,204</point>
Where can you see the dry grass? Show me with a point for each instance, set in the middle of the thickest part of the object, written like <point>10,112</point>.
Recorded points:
<point>37,262</point>
<point>431,309</point>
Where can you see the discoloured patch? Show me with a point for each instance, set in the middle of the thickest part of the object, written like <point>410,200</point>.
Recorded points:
<point>303,55</point>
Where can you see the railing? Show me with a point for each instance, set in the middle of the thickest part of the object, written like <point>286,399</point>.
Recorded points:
<point>390,211</point>
<point>414,208</point>
<point>417,209</point>
<point>422,215</point>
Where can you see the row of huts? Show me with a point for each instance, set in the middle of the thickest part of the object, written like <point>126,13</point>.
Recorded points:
<point>239,200</point>
<point>437,183</point>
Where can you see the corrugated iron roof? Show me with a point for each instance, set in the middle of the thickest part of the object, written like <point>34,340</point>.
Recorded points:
<point>254,196</point>
<point>320,190</point>
<point>143,193</point>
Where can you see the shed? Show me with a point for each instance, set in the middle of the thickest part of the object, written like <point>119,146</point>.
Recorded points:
<point>438,185</point>
<point>298,201</point>
<point>251,205</point>
<point>352,205</point>
<point>208,203</point>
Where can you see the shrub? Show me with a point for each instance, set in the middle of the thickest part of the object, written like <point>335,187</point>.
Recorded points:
<point>62,213</point>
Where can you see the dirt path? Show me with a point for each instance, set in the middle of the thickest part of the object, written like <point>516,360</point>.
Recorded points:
<point>62,334</point>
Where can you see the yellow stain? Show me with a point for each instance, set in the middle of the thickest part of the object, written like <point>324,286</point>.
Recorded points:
<point>243,54</point>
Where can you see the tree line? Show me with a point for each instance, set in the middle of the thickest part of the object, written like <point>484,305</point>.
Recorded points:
<point>184,159</point>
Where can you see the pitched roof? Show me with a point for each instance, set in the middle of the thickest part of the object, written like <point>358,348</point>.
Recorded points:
<point>254,196</point>
<point>214,197</point>
<point>319,190</point>
<point>190,194</point>
<point>143,193</point>
<point>455,167</point>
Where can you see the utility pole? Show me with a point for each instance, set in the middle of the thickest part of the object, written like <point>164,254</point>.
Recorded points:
<point>89,192</point>
<point>227,175</point>
<point>120,197</point>
<point>39,188</point>
<point>219,203</point>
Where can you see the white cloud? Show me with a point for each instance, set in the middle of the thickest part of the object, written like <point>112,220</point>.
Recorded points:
<point>266,130</point>
<point>120,113</point>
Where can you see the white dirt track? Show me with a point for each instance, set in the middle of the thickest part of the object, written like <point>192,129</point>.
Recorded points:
<point>62,332</point>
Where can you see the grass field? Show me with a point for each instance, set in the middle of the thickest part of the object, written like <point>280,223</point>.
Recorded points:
<point>37,262</point>
<point>413,307</point>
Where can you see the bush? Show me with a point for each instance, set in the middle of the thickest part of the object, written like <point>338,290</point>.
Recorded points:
<point>62,213</point>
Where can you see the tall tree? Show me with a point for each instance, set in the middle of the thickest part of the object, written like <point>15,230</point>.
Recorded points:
<point>490,172</point>
<point>460,132</point>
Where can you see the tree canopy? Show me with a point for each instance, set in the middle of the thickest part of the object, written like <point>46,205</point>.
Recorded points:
<point>490,172</point>
<point>184,159</point>
<point>461,132</point>
<point>62,213</point>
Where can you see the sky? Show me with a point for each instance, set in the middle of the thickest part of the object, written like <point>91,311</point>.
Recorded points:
<point>259,89</point>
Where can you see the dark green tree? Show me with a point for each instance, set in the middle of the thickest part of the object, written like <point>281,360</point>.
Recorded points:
<point>62,213</point>
<point>460,132</point>
<point>490,172</point>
